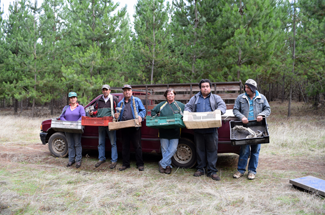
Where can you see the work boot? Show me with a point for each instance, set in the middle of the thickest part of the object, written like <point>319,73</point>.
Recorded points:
<point>237,175</point>
<point>215,177</point>
<point>78,164</point>
<point>161,169</point>
<point>99,163</point>
<point>251,176</point>
<point>113,165</point>
<point>70,163</point>
<point>168,170</point>
<point>198,173</point>
<point>123,168</point>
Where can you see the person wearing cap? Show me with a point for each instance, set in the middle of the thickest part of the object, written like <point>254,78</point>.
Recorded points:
<point>73,112</point>
<point>132,108</point>
<point>206,140</point>
<point>103,107</point>
<point>250,105</point>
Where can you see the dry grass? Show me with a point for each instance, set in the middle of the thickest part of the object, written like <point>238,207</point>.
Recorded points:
<point>42,185</point>
<point>56,190</point>
<point>301,134</point>
<point>14,129</point>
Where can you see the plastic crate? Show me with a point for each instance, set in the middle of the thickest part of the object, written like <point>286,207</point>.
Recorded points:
<point>67,126</point>
<point>96,121</point>
<point>166,122</point>
<point>200,120</point>
<point>124,124</point>
<point>239,138</point>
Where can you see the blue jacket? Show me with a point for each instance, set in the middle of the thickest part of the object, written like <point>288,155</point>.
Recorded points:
<point>216,102</point>
<point>138,105</point>
<point>260,104</point>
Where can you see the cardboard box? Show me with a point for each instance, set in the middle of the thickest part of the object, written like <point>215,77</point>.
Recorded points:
<point>67,126</point>
<point>199,120</point>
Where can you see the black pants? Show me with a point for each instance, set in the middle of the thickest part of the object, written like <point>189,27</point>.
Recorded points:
<point>131,135</point>
<point>207,151</point>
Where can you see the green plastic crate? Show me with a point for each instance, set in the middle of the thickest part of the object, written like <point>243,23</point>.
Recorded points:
<point>166,122</point>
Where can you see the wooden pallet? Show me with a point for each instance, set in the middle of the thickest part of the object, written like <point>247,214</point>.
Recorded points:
<point>228,91</point>
<point>310,183</point>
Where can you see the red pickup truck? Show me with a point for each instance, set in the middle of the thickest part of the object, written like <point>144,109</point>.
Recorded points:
<point>185,156</point>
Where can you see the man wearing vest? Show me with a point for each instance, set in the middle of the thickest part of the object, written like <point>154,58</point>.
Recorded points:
<point>105,106</point>
<point>132,108</point>
<point>250,105</point>
<point>206,140</point>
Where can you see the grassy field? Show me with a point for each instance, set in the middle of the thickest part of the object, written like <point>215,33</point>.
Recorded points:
<point>33,182</point>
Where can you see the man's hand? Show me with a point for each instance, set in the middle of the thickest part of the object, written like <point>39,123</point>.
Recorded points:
<point>259,118</point>
<point>244,120</point>
<point>91,113</point>
<point>140,119</point>
<point>116,115</point>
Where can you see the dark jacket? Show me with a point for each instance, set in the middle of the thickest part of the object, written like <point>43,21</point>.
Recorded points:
<point>100,104</point>
<point>141,110</point>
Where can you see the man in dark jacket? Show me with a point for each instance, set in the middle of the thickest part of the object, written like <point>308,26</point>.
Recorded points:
<point>132,108</point>
<point>105,106</point>
<point>250,105</point>
<point>206,140</point>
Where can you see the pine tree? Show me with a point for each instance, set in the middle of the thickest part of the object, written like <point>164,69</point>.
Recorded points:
<point>191,28</point>
<point>310,55</point>
<point>151,40</point>
<point>96,35</point>
<point>247,34</point>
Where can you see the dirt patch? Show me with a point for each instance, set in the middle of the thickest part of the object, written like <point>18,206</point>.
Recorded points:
<point>39,156</point>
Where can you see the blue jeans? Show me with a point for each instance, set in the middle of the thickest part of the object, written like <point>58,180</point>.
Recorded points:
<point>102,131</point>
<point>207,151</point>
<point>168,149</point>
<point>74,146</point>
<point>248,150</point>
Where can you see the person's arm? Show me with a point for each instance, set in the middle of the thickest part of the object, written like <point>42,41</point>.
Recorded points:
<point>266,108</point>
<point>81,112</point>
<point>62,116</point>
<point>156,110</point>
<point>237,108</point>
<point>190,105</point>
<point>142,109</point>
<point>118,115</point>
<point>115,100</point>
<point>220,104</point>
<point>94,113</point>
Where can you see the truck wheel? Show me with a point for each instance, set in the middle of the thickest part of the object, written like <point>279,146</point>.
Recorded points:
<point>58,145</point>
<point>185,156</point>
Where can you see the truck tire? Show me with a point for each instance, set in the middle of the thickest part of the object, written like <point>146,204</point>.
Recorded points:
<point>58,145</point>
<point>185,156</point>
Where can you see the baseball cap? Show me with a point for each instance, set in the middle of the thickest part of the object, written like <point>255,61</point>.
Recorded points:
<point>106,86</point>
<point>126,86</point>
<point>72,94</point>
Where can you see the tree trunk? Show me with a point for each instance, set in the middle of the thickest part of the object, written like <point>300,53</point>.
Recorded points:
<point>15,106</point>
<point>293,55</point>
<point>289,106</point>
<point>283,88</point>
<point>52,105</point>
<point>21,106</point>
<point>195,36</point>
<point>153,48</point>
<point>239,52</point>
